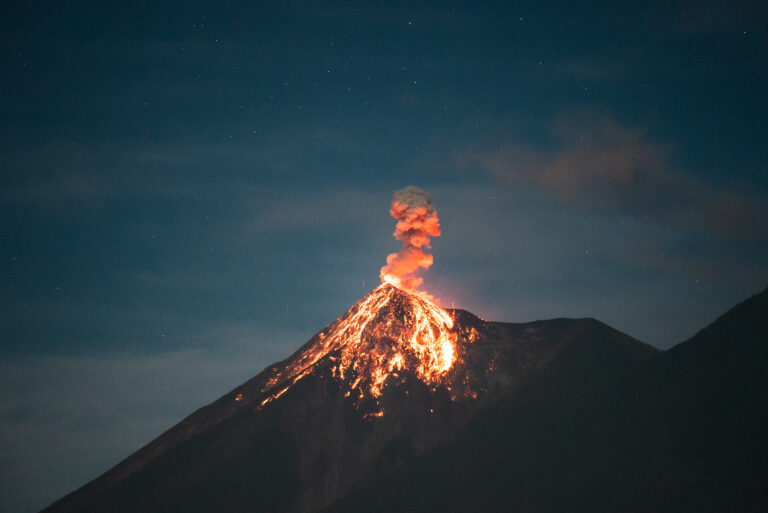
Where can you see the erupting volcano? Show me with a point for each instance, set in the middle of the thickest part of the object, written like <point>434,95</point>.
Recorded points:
<point>396,329</point>
<point>401,405</point>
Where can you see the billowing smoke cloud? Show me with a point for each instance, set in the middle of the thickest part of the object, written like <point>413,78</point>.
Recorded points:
<point>416,222</point>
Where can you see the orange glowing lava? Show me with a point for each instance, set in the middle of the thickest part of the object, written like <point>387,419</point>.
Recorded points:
<point>387,333</point>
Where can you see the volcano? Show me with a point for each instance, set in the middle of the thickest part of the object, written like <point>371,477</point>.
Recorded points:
<point>400,405</point>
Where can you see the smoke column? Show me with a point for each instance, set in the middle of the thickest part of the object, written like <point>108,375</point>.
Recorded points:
<point>416,222</point>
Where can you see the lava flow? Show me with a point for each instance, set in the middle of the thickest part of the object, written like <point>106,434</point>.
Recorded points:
<point>393,330</point>
<point>387,333</point>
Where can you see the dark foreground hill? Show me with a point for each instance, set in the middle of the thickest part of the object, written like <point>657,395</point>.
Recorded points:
<point>686,431</point>
<point>560,415</point>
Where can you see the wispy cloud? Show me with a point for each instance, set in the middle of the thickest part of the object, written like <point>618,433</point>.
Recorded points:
<point>242,162</point>
<point>597,164</point>
<point>60,173</point>
<point>321,208</point>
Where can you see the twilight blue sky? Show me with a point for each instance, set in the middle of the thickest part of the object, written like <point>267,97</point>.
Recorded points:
<point>189,191</point>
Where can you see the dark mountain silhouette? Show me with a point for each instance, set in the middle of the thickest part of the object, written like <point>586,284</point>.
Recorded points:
<point>686,430</point>
<point>559,415</point>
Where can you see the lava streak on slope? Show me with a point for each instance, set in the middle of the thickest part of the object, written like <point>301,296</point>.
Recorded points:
<point>386,334</point>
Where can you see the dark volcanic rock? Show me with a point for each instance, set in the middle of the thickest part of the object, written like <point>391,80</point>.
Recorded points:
<point>558,415</point>
<point>601,430</point>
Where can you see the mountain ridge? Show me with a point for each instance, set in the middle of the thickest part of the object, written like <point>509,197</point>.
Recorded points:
<point>318,447</point>
<point>682,431</point>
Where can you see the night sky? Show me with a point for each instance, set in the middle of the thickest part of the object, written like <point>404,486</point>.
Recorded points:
<point>188,192</point>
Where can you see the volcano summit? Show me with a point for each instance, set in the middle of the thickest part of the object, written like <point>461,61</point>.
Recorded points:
<point>386,333</point>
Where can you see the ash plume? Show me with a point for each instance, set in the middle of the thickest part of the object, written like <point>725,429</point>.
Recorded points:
<point>416,222</point>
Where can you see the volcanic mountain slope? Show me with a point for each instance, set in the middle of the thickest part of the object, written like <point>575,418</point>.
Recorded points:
<point>370,397</point>
<point>687,431</point>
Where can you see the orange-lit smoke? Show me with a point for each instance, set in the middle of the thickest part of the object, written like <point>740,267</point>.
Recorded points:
<point>416,222</point>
